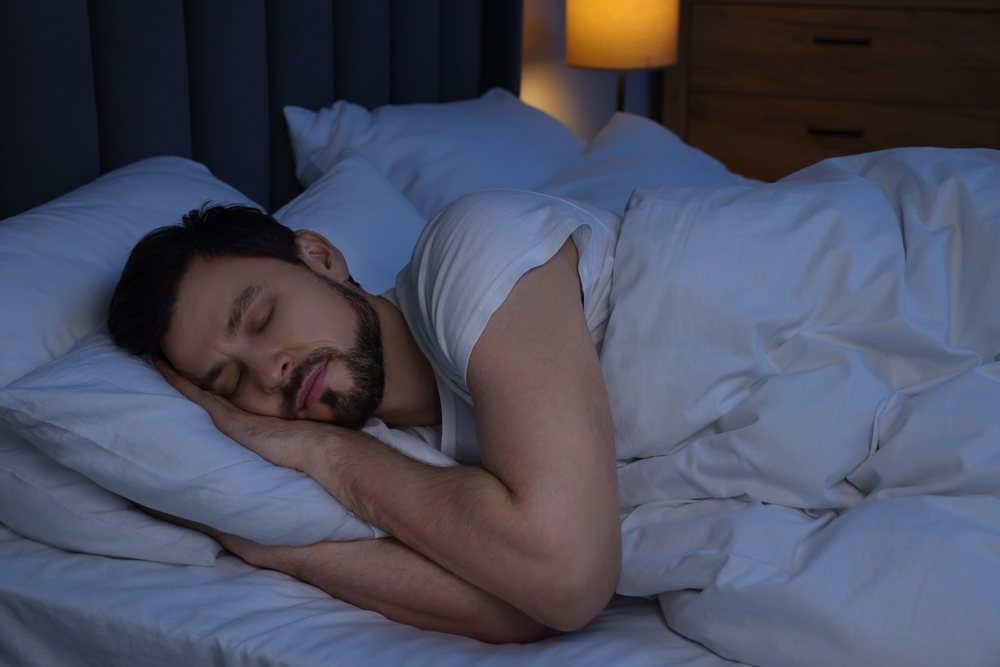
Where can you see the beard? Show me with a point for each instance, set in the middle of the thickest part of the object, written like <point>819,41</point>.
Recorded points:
<point>365,362</point>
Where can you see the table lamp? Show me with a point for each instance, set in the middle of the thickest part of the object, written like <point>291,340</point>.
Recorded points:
<point>620,35</point>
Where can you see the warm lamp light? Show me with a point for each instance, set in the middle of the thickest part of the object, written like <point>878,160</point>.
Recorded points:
<point>621,35</point>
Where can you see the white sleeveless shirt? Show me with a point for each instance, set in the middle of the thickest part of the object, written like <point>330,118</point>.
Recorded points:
<point>466,262</point>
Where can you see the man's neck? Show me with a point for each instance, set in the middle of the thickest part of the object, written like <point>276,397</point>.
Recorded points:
<point>411,394</point>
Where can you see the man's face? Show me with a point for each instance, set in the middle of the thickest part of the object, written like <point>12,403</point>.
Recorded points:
<point>277,339</point>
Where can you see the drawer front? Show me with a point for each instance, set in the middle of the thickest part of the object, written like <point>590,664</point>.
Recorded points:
<point>917,56</point>
<point>905,4</point>
<point>770,138</point>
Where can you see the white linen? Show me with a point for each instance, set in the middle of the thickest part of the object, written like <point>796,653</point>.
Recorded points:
<point>805,395</point>
<point>59,263</point>
<point>112,417</point>
<point>633,152</point>
<point>75,610</point>
<point>435,153</point>
<point>466,263</point>
<point>60,507</point>
<point>369,221</point>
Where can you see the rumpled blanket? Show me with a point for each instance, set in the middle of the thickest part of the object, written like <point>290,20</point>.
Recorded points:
<point>805,381</point>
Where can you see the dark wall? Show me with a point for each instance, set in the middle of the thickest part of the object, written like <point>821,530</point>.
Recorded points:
<point>87,86</point>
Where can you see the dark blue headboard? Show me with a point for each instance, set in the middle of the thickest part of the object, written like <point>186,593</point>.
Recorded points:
<point>87,86</point>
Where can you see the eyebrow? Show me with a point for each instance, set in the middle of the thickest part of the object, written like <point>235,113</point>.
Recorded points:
<point>241,305</point>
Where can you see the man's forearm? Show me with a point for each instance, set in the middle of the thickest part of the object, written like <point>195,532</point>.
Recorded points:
<point>463,519</point>
<point>388,577</point>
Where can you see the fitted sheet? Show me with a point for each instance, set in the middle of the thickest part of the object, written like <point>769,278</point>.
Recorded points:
<point>60,608</point>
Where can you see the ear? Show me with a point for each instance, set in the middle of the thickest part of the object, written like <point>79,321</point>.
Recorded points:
<point>321,256</point>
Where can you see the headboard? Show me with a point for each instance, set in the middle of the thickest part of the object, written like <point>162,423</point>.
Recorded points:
<point>87,86</point>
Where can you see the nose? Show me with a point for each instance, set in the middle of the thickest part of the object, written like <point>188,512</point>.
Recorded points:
<point>274,369</point>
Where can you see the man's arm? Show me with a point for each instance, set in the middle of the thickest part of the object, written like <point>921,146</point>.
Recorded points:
<point>387,577</point>
<point>538,526</point>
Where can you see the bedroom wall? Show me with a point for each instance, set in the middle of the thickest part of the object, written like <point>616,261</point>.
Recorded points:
<point>582,99</point>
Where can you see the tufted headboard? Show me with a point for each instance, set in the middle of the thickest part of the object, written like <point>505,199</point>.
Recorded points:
<point>87,86</point>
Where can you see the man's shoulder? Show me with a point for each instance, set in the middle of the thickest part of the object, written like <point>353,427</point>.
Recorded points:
<point>468,259</point>
<point>497,222</point>
<point>487,212</point>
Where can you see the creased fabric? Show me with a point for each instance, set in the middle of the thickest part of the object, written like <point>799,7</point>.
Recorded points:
<point>806,403</point>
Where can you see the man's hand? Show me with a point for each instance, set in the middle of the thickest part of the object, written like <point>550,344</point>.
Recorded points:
<point>282,442</point>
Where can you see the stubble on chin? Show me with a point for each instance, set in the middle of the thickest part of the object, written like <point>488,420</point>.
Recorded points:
<point>365,364</point>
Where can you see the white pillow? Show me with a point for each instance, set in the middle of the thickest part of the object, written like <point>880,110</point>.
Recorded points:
<point>52,504</point>
<point>112,417</point>
<point>60,262</point>
<point>363,215</point>
<point>633,152</point>
<point>435,153</point>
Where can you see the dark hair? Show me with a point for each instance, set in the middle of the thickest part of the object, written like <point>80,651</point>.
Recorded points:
<point>142,306</point>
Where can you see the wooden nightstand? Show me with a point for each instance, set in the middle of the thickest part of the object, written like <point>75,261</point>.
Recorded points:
<point>771,87</point>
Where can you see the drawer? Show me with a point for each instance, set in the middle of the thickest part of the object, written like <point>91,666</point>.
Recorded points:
<point>906,4</point>
<point>919,56</point>
<point>770,138</point>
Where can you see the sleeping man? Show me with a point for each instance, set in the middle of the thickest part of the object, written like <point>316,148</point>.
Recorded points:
<point>267,331</point>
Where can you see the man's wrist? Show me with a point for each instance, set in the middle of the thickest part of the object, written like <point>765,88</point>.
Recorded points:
<point>329,456</point>
<point>311,454</point>
<point>320,453</point>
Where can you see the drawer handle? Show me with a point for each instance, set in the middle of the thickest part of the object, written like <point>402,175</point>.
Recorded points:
<point>842,41</point>
<point>831,132</point>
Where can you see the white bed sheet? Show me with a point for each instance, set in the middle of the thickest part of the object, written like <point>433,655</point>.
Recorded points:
<point>59,608</point>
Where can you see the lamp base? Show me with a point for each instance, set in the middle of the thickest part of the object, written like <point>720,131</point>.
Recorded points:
<point>621,91</point>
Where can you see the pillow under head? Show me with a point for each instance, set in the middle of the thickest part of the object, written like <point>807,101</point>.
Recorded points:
<point>113,418</point>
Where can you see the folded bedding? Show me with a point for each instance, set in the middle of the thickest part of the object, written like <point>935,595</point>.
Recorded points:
<point>804,383</point>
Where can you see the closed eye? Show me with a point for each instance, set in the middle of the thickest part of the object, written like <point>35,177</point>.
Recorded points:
<point>264,321</point>
<point>236,387</point>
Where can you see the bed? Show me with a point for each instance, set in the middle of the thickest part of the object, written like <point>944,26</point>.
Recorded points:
<point>361,120</point>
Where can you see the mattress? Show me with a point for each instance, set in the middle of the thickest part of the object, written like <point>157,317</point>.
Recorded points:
<point>60,608</point>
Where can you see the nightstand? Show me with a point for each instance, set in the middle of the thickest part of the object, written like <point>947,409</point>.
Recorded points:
<point>771,87</point>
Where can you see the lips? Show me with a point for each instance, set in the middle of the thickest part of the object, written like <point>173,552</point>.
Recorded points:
<point>312,387</point>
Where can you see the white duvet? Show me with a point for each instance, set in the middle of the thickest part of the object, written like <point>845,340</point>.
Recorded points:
<point>807,407</point>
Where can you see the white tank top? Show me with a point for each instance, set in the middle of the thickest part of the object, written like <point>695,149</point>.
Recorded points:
<point>465,264</point>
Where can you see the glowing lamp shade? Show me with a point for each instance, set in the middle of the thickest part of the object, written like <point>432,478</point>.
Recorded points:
<point>621,34</point>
